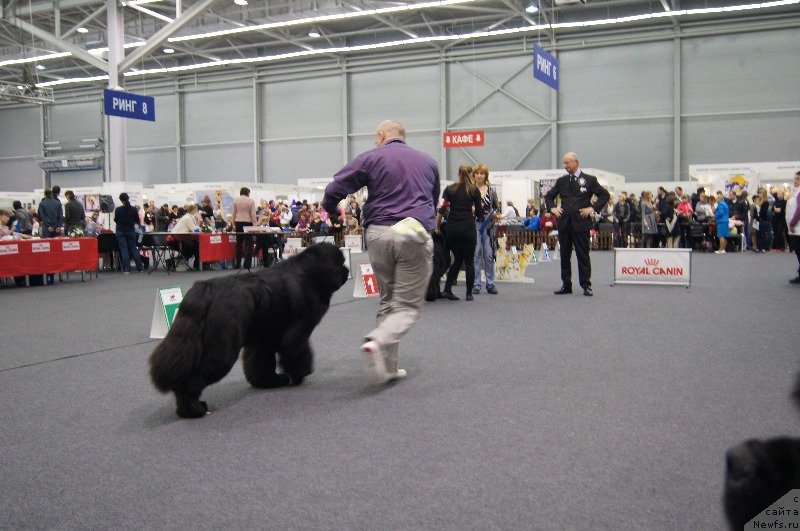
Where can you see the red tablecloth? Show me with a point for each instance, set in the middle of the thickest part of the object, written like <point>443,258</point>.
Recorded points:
<point>217,247</point>
<point>53,255</point>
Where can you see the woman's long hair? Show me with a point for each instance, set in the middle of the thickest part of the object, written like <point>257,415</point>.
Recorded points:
<point>465,178</point>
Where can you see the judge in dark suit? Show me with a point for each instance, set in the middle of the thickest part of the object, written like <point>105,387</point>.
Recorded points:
<point>575,220</point>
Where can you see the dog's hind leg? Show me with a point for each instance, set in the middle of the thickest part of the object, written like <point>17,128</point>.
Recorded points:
<point>259,368</point>
<point>188,400</point>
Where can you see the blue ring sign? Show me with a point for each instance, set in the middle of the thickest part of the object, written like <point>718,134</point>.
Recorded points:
<point>545,67</point>
<point>128,105</point>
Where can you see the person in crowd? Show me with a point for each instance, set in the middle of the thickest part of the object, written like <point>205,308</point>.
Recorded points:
<point>206,209</point>
<point>696,196</point>
<point>575,220</point>
<point>352,223</point>
<point>403,187</point>
<point>622,218</point>
<point>5,232</point>
<point>149,218</point>
<point>93,226</point>
<point>530,207</point>
<point>793,222</point>
<point>649,222</point>
<point>126,217</point>
<point>740,211</point>
<point>532,222</point>
<point>685,218</point>
<point>57,193</point>
<point>753,223</point>
<point>162,218</point>
<point>244,215</point>
<point>669,216</point>
<point>74,215</point>
<point>486,234</point>
<point>303,220</point>
<point>189,246</point>
<point>703,211</point>
<point>174,214</point>
<point>353,208</point>
<point>607,212</point>
<point>317,226</point>
<point>765,235</point>
<point>464,205</point>
<point>721,220</point>
<point>510,211</point>
<point>51,215</point>
<point>24,225</point>
<point>779,220</point>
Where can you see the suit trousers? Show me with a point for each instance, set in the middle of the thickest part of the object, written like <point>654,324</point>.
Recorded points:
<point>569,238</point>
<point>402,268</point>
<point>244,245</point>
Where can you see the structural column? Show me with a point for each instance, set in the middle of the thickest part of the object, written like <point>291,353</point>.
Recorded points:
<point>116,143</point>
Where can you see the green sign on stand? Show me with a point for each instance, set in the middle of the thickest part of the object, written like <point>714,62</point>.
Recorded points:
<point>164,311</point>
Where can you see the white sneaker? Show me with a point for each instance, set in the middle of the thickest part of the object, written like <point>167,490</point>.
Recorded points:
<point>719,252</point>
<point>375,371</point>
<point>399,375</point>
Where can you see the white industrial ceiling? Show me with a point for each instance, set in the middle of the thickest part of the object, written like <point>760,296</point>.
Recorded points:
<point>63,43</point>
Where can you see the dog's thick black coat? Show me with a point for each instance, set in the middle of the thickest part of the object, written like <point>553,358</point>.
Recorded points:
<point>441,263</point>
<point>759,472</point>
<point>269,315</point>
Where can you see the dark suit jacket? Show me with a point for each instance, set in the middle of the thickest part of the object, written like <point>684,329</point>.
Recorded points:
<point>575,197</point>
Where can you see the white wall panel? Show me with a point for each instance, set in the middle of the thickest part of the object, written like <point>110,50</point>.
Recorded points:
<point>74,121</point>
<point>740,139</point>
<point>142,133</point>
<point>75,179</point>
<point>641,151</point>
<point>218,116</point>
<point>19,132</point>
<point>410,95</point>
<point>302,108</point>
<point>20,176</point>
<point>222,163</point>
<point>476,82</point>
<point>632,80</point>
<point>153,166</point>
<point>742,72</point>
<point>287,161</point>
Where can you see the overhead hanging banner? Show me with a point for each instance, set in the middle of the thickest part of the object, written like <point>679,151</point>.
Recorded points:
<point>545,66</point>
<point>128,105</point>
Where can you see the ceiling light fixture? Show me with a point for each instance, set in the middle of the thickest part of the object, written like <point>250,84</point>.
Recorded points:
<point>533,7</point>
<point>40,67</point>
<point>465,36</point>
<point>240,2</point>
<point>168,50</point>
<point>82,30</point>
<point>314,32</point>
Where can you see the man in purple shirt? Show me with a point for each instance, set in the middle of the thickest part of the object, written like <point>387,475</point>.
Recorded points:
<point>403,189</point>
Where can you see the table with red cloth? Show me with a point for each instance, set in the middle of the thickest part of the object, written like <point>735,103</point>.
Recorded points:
<point>214,247</point>
<point>51,255</point>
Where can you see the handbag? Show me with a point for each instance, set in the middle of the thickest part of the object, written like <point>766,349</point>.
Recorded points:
<point>756,224</point>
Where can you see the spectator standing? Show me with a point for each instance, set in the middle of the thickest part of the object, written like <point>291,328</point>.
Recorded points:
<point>779,221</point>
<point>765,235</point>
<point>463,203</point>
<point>24,225</point>
<point>485,218</point>
<point>403,187</point>
<point>649,222</point>
<point>51,215</point>
<point>189,246</point>
<point>670,218</point>
<point>74,216</point>
<point>622,218</point>
<point>244,215</point>
<point>722,218</point>
<point>126,218</point>
<point>793,223</point>
<point>163,218</point>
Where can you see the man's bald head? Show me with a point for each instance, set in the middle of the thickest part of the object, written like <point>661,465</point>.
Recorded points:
<point>389,130</point>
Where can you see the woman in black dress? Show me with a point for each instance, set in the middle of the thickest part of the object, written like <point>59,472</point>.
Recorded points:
<point>463,202</point>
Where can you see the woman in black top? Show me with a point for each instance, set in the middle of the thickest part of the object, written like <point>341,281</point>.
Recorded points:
<point>127,219</point>
<point>463,200</point>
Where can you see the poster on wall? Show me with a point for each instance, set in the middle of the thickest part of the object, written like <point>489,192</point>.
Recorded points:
<point>219,199</point>
<point>542,187</point>
<point>91,202</point>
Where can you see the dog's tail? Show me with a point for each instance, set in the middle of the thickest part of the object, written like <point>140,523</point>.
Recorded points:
<point>174,361</point>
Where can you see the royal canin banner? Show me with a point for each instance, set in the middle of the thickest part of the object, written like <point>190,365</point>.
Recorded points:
<point>453,139</point>
<point>653,266</point>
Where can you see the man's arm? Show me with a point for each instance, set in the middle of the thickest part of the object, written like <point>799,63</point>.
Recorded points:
<point>346,181</point>
<point>550,197</point>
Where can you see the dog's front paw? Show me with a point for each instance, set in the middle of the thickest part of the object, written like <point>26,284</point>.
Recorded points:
<point>192,410</point>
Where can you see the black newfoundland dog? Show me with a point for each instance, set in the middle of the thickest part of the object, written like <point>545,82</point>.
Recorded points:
<point>270,315</point>
<point>760,472</point>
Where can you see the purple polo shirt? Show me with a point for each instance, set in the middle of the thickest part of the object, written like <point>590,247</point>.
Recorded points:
<point>401,181</point>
